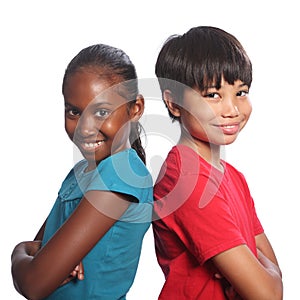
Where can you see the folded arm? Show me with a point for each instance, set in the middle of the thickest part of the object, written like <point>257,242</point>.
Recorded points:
<point>251,277</point>
<point>37,273</point>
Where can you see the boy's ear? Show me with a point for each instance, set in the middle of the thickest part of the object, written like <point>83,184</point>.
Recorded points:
<point>137,108</point>
<point>171,103</point>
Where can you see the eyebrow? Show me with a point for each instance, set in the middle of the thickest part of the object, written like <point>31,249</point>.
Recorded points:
<point>243,84</point>
<point>90,105</point>
<point>215,87</point>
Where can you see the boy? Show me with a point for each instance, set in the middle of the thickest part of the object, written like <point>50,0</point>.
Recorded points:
<point>209,242</point>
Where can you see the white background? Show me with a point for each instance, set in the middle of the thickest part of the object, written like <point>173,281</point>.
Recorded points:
<point>38,39</point>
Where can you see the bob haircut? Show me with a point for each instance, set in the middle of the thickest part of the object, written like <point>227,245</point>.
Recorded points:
<point>199,59</point>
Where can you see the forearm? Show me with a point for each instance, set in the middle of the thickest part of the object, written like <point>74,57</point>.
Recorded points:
<point>251,277</point>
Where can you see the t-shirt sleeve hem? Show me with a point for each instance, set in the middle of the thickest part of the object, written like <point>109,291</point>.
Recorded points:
<point>259,230</point>
<point>131,194</point>
<point>219,249</point>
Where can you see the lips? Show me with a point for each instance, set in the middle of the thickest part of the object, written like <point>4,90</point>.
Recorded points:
<point>230,129</point>
<point>89,146</point>
<point>92,145</point>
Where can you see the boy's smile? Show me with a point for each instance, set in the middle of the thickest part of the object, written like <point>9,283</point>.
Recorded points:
<point>213,117</point>
<point>229,129</point>
<point>216,116</point>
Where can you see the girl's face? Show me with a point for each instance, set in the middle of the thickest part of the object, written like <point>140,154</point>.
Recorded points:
<point>215,116</point>
<point>97,119</point>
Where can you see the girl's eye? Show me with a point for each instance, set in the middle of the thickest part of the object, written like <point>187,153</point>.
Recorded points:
<point>73,112</point>
<point>102,113</point>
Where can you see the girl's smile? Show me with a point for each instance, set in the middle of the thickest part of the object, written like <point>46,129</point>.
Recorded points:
<point>90,146</point>
<point>97,119</point>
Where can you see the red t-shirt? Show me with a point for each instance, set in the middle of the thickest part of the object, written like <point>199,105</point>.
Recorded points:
<point>199,212</point>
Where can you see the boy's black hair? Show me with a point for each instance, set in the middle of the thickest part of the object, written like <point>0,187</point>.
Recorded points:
<point>199,59</point>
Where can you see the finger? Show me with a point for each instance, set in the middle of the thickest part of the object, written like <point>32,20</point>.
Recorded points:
<point>231,293</point>
<point>81,267</point>
<point>218,276</point>
<point>67,280</point>
<point>80,275</point>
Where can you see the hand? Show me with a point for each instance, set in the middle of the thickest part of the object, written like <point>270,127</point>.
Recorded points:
<point>231,294</point>
<point>33,247</point>
<point>29,248</point>
<point>77,273</point>
<point>267,263</point>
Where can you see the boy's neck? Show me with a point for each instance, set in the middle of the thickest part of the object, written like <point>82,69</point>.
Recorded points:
<point>210,152</point>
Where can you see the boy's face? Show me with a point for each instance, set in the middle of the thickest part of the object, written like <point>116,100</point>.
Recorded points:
<point>216,116</point>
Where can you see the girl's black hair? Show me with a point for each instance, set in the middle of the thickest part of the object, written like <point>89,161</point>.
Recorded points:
<point>116,67</point>
<point>200,58</point>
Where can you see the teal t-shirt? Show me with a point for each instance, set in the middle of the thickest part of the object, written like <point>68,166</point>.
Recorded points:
<point>110,267</point>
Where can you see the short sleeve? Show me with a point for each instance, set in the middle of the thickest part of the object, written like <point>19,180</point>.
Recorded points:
<point>209,230</point>
<point>122,172</point>
<point>257,226</point>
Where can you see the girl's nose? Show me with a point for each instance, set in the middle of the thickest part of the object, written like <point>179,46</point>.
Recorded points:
<point>86,126</point>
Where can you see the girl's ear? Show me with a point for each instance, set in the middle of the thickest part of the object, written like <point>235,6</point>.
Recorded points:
<point>171,103</point>
<point>137,108</point>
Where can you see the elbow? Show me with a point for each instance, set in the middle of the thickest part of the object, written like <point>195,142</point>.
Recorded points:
<point>28,280</point>
<point>276,293</point>
<point>30,289</point>
<point>32,294</point>
<point>265,291</point>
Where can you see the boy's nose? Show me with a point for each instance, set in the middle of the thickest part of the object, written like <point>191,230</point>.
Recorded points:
<point>230,109</point>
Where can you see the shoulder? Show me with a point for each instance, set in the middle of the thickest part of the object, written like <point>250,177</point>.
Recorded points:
<point>169,172</point>
<point>182,163</point>
<point>122,172</point>
<point>234,173</point>
<point>179,176</point>
<point>180,160</point>
<point>75,173</point>
<point>125,165</point>
<point>127,158</point>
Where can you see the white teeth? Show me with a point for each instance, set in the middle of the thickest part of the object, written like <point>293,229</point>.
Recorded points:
<point>92,145</point>
<point>228,126</point>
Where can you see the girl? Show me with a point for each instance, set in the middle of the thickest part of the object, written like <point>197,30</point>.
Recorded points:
<point>104,206</point>
<point>209,241</point>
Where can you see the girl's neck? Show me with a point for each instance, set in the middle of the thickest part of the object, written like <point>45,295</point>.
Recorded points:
<point>209,152</point>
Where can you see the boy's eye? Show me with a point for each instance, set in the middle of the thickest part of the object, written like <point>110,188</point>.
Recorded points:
<point>212,95</point>
<point>242,93</point>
